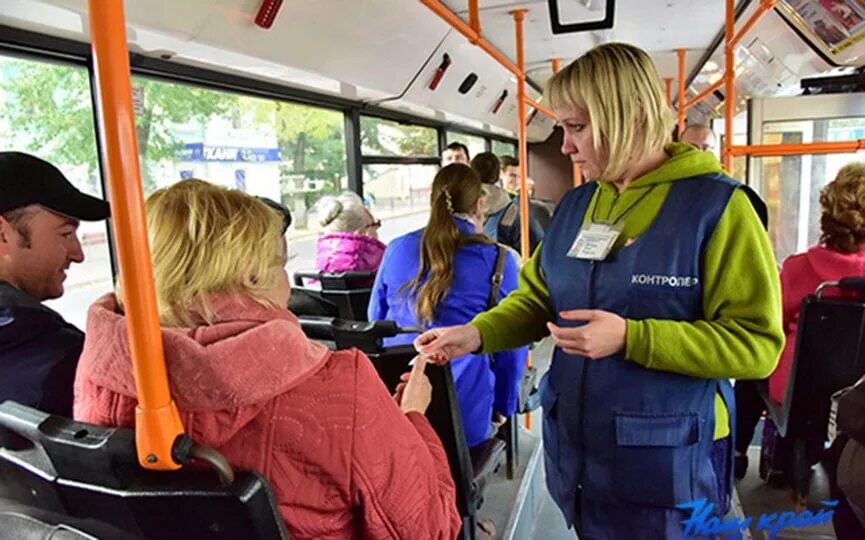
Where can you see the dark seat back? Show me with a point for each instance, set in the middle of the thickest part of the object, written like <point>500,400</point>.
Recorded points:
<point>348,291</point>
<point>443,412</point>
<point>55,472</point>
<point>829,356</point>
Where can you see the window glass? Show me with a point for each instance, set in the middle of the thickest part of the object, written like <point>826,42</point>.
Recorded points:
<point>791,184</point>
<point>386,138</point>
<point>476,145</point>
<point>504,148</point>
<point>46,110</point>
<point>398,195</point>
<point>291,153</point>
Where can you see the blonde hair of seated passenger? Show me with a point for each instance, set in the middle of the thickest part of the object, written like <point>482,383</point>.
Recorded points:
<point>204,240</point>
<point>456,189</point>
<point>620,90</point>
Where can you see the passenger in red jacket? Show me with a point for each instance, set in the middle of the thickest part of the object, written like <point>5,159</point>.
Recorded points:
<point>344,458</point>
<point>841,253</point>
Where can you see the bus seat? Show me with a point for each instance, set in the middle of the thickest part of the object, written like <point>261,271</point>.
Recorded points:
<point>829,356</point>
<point>470,470</point>
<point>348,291</point>
<point>65,478</point>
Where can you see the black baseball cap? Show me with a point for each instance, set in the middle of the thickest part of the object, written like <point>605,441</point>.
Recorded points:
<point>26,180</point>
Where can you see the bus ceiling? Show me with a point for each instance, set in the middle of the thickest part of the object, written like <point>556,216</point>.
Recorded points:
<point>791,42</point>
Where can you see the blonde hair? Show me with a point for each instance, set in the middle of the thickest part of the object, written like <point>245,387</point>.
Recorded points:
<point>842,201</point>
<point>455,190</point>
<point>206,239</point>
<point>344,213</point>
<point>620,90</point>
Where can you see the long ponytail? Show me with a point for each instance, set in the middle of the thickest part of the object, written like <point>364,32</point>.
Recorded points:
<point>455,190</point>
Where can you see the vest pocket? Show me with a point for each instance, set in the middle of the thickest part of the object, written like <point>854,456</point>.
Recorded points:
<point>655,458</point>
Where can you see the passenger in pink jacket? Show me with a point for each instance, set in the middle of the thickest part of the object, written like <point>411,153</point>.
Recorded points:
<point>344,458</point>
<point>841,253</point>
<point>350,240</point>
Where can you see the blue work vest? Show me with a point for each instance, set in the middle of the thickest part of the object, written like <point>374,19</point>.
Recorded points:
<point>633,442</point>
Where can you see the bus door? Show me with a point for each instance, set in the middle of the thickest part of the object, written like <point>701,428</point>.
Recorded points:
<point>791,185</point>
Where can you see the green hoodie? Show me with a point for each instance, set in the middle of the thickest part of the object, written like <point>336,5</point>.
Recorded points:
<point>740,336</point>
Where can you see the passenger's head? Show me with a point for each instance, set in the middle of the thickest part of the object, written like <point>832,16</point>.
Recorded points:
<point>456,193</point>
<point>510,173</point>
<point>207,240</point>
<point>612,110</point>
<point>486,164</point>
<point>703,137</point>
<point>346,213</point>
<point>455,152</point>
<point>39,215</point>
<point>842,203</point>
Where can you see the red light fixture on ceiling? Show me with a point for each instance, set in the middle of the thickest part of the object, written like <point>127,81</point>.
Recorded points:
<point>440,72</point>
<point>500,101</point>
<point>267,13</point>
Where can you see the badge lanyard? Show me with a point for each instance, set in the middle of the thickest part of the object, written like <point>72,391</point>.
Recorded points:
<point>595,241</point>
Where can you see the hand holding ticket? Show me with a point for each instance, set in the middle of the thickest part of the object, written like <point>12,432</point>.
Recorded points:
<point>414,392</point>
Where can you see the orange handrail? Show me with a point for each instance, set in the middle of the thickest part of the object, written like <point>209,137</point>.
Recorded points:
<point>474,37</point>
<point>730,86</point>
<point>681,100</point>
<point>519,16</point>
<point>576,172</point>
<point>543,108</point>
<point>798,149</point>
<point>474,18</point>
<point>555,64</point>
<point>668,90</point>
<point>765,7</point>
<point>702,95</point>
<point>157,422</point>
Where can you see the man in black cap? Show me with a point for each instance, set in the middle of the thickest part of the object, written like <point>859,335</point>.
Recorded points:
<point>39,215</point>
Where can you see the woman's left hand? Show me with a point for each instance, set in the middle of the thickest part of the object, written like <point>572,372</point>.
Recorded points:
<point>602,335</point>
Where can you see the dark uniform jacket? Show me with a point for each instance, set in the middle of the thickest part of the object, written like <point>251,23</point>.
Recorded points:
<point>38,353</point>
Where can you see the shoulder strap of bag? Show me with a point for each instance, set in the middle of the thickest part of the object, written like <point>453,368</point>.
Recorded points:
<point>497,277</point>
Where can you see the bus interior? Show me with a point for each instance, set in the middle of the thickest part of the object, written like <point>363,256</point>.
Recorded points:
<point>294,101</point>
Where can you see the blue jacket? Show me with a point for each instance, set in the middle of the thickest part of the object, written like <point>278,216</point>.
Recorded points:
<point>38,353</point>
<point>481,385</point>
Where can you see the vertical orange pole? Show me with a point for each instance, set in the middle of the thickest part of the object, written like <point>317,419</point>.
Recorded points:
<point>668,87</point>
<point>576,173</point>
<point>474,17</point>
<point>157,423</point>
<point>519,16</point>
<point>681,123</point>
<point>730,90</point>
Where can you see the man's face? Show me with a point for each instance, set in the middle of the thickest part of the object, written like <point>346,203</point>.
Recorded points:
<point>701,137</point>
<point>36,263</point>
<point>510,177</point>
<point>454,156</point>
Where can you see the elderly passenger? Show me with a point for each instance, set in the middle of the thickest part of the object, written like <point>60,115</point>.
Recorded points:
<point>344,458</point>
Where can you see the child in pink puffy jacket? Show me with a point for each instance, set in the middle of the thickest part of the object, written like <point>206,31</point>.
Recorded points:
<point>349,241</point>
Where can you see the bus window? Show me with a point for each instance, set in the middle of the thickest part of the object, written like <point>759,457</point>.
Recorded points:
<point>476,145</point>
<point>385,138</point>
<point>398,196</point>
<point>285,151</point>
<point>46,110</point>
<point>504,148</point>
<point>791,184</point>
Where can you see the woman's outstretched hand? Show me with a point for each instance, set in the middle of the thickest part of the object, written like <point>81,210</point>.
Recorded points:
<point>441,345</point>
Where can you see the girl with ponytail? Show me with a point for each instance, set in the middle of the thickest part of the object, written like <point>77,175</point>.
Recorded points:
<point>442,275</point>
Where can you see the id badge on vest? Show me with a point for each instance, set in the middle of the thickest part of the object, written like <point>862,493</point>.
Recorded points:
<point>595,242</point>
